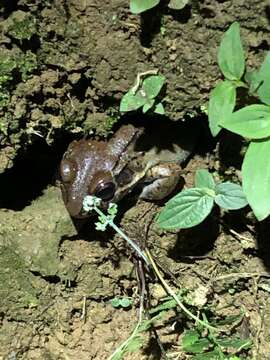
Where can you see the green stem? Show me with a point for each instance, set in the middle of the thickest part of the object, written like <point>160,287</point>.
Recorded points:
<point>124,236</point>
<point>175,297</point>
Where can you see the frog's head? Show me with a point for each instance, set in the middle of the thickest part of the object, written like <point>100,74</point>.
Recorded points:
<point>91,167</point>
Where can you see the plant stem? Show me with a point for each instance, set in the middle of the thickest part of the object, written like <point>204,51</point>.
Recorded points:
<point>175,297</point>
<point>125,237</point>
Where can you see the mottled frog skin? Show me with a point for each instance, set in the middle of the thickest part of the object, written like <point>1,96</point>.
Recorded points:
<point>112,169</point>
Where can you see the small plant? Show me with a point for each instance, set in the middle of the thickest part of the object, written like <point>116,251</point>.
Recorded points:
<point>252,122</point>
<point>144,94</point>
<point>211,346</point>
<point>121,302</point>
<point>191,206</point>
<point>139,6</point>
<point>91,203</point>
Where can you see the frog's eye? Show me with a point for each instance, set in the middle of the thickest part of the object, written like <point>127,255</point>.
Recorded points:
<point>125,177</point>
<point>105,190</point>
<point>67,171</point>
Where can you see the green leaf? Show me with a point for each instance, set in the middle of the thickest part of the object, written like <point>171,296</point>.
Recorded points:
<point>235,343</point>
<point>159,109</point>
<point>148,105</point>
<point>231,58</point>
<point>152,85</point>
<point>139,6</point>
<point>230,196</point>
<point>253,80</point>
<point>125,302</point>
<point>221,105</point>
<point>189,338</point>
<point>210,355</point>
<point>264,77</point>
<point>203,179</point>
<point>252,121</point>
<point>131,101</point>
<point>177,4</point>
<point>256,177</point>
<point>188,208</point>
<point>259,81</point>
<point>115,302</point>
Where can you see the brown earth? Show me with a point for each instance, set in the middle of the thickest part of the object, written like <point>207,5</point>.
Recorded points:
<point>56,286</point>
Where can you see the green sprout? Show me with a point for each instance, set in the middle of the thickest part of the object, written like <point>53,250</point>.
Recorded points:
<point>252,122</point>
<point>144,94</point>
<point>191,206</point>
<point>92,203</point>
<point>139,6</point>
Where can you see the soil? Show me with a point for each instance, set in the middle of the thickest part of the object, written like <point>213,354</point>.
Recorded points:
<point>64,67</point>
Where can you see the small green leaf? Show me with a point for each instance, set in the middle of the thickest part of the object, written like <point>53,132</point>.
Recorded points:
<point>188,208</point>
<point>159,109</point>
<point>221,105</point>
<point>134,344</point>
<point>189,338</point>
<point>252,121</point>
<point>256,177</point>
<point>203,179</point>
<point>231,58</point>
<point>148,105</point>
<point>125,302</point>
<point>264,77</point>
<point>115,302</point>
<point>139,6</point>
<point>210,355</point>
<point>230,196</point>
<point>152,85</point>
<point>177,4</point>
<point>193,343</point>
<point>131,101</point>
<point>235,343</point>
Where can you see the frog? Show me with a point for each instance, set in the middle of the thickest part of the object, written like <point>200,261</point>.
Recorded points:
<point>112,169</point>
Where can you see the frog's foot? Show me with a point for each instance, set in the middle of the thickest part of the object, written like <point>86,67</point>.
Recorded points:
<point>160,181</point>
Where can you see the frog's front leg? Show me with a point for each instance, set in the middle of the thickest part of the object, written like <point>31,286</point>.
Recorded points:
<point>160,181</point>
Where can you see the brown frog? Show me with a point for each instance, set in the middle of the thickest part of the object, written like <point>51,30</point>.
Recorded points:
<point>111,169</point>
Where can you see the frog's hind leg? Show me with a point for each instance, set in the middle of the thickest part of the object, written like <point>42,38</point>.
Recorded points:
<point>162,179</point>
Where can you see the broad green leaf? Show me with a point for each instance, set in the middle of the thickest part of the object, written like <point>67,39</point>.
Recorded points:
<point>130,101</point>
<point>203,179</point>
<point>139,6</point>
<point>252,121</point>
<point>152,85</point>
<point>177,4</point>
<point>231,58</point>
<point>259,81</point>
<point>230,196</point>
<point>148,105</point>
<point>253,80</point>
<point>256,177</point>
<point>264,76</point>
<point>188,208</point>
<point>159,109</point>
<point>221,105</point>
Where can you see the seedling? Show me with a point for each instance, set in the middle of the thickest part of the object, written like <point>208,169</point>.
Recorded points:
<point>121,302</point>
<point>139,6</point>
<point>191,206</point>
<point>252,122</point>
<point>91,203</point>
<point>211,346</point>
<point>144,94</point>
